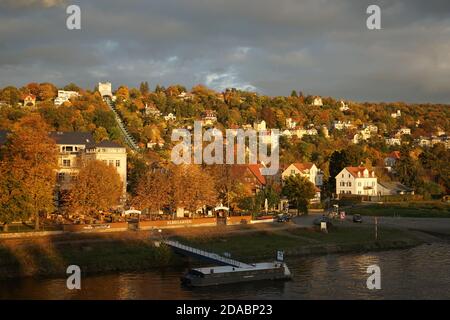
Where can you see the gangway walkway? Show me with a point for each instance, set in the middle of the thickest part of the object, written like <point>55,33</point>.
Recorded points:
<point>214,257</point>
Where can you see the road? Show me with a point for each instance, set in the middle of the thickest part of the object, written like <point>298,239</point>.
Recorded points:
<point>428,225</point>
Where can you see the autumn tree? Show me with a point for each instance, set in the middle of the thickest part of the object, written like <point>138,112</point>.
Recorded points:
<point>299,190</point>
<point>47,91</point>
<point>192,188</point>
<point>98,187</point>
<point>153,191</point>
<point>31,157</point>
<point>11,95</point>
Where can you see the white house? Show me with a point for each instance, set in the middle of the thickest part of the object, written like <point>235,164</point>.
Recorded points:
<point>151,110</point>
<point>344,106</point>
<point>396,115</point>
<point>307,169</point>
<point>317,102</point>
<point>77,147</point>
<point>362,135</point>
<point>393,141</point>
<point>404,131</point>
<point>357,181</point>
<point>170,117</point>
<point>209,117</point>
<point>64,96</point>
<point>290,124</point>
<point>340,125</point>
<point>261,126</point>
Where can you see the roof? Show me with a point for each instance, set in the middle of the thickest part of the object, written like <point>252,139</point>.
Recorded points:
<point>355,170</point>
<point>256,170</point>
<point>394,154</point>
<point>80,138</point>
<point>395,186</point>
<point>303,166</point>
<point>3,134</point>
<point>238,170</point>
<point>107,144</point>
<point>29,95</point>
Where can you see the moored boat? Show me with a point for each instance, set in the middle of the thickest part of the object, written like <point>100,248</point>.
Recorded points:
<point>200,277</point>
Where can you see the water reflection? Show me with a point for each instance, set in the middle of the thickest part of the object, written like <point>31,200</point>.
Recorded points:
<point>418,273</point>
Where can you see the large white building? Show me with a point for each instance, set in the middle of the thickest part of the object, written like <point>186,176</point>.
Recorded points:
<point>78,147</point>
<point>356,181</point>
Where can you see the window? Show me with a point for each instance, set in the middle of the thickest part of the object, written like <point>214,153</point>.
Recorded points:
<point>292,172</point>
<point>349,184</point>
<point>69,149</point>
<point>359,184</point>
<point>66,163</point>
<point>61,176</point>
<point>111,162</point>
<point>117,163</point>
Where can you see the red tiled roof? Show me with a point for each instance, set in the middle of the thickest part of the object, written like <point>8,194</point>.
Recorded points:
<point>303,166</point>
<point>395,155</point>
<point>32,96</point>
<point>354,170</point>
<point>239,170</point>
<point>255,169</point>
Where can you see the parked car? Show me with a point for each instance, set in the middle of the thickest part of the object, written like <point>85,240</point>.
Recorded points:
<point>318,221</point>
<point>283,218</point>
<point>357,218</point>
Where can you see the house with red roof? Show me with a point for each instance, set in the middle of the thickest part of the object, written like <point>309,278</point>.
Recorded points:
<point>392,159</point>
<point>249,175</point>
<point>305,169</point>
<point>356,181</point>
<point>29,100</point>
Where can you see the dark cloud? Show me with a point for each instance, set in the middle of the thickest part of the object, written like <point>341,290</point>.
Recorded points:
<point>317,46</point>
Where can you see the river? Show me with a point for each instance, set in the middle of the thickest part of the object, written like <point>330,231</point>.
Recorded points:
<point>418,273</point>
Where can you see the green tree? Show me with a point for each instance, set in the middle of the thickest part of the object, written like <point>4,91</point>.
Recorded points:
<point>299,190</point>
<point>12,198</point>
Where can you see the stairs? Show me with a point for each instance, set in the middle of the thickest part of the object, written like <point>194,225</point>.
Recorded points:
<point>129,140</point>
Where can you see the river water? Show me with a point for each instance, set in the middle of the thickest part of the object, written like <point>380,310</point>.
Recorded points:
<point>418,273</point>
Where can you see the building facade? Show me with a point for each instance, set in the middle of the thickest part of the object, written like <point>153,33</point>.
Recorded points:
<point>64,96</point>
<point>307,169</point>
<point>356,181</point>
<point>75,148</point>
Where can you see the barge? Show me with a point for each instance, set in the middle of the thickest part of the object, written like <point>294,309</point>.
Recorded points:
<point>209,276</point>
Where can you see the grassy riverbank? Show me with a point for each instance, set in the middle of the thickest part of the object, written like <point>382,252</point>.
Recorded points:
<point>300,241</point>
<point>135,252</point>
<point>433,209</point>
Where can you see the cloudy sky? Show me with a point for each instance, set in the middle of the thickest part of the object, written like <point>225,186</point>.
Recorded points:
<point>270,46</point>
